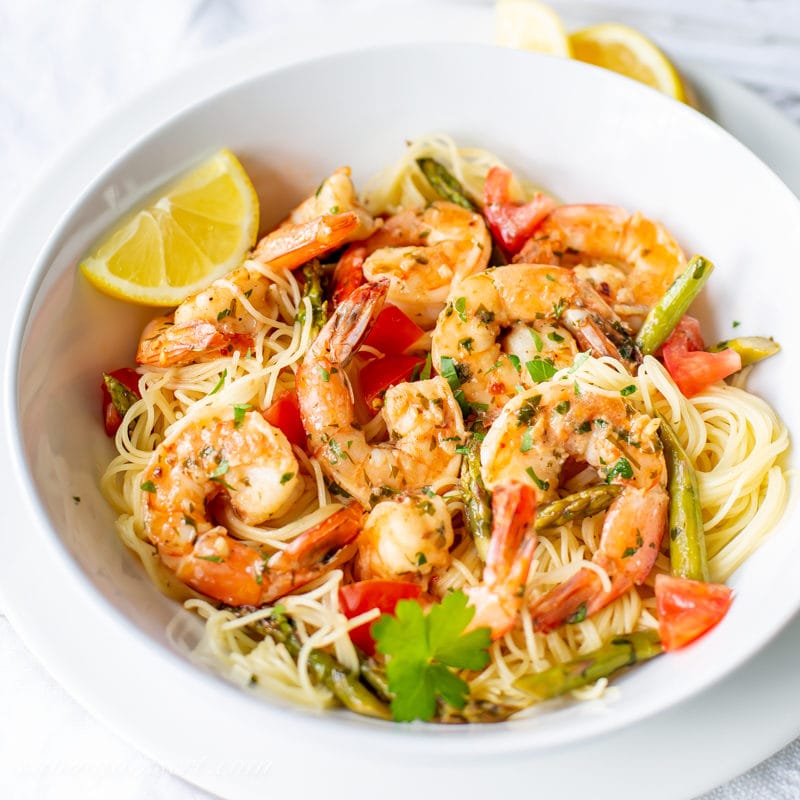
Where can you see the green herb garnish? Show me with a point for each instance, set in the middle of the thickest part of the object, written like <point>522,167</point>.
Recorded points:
<point>422,651</point>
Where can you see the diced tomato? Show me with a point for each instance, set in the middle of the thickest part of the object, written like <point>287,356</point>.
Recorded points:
<point>393,332</point>
<point>284,414</point>
<point>689,365</point>
<point>356,598</point>
<point>512,224</point>
<point>378,375</point>
<point>129,378</point>
<point>687,609</point>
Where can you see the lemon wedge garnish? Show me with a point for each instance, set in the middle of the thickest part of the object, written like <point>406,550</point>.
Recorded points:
<point>623,49</point>
<point>530,25</point>
<point>195,230</point>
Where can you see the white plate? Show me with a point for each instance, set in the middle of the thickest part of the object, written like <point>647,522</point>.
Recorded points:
<point>131,708</point>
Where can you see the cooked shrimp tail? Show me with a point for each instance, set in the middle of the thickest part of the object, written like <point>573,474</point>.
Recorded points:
<point>250,465</point>
<point>165,343</point>
<point>498,598</point>
<point>326,546</point>
<point>629,545</point>
<point>291,245</point>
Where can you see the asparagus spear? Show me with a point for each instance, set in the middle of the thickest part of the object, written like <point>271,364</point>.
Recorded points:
<point>750,348</point>
<point>585,503</point>
<point>122,397</point>
<point>327,670</point>
<point>313,290</point>
<point>687,542</point>
<point>623,651</point>
<point>667,312</point>
<point>477,499</point>
<point>444,184</point>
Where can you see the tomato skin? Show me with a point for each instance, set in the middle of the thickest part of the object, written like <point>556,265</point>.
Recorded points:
<point>393,332</point>
<point>511,224</point>
<point>381,373</point>
<point>689,365</point>
<point>356,598</point>
<point>111,417</point>
<point>687,609</point>
<point>284,414</point>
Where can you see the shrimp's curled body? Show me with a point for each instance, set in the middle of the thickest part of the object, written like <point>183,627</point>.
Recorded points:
<point>251,465</point>
<point>532,438</point>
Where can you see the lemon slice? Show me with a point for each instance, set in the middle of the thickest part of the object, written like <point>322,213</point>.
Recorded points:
<point>195,230</point>
<point>625,50</point>
<point>530,25</point>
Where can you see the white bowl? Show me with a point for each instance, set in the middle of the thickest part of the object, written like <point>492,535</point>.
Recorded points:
<point>586,134</point>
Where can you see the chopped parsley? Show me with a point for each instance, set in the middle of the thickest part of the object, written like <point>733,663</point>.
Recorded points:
<point>622,469</point>
<point>540,369</point>
<point>239,410</point>
<point>148,486</point>
<point>579,615</point>
<point>220,382</point>
<point>543,485</point>
<point>461,308</point>
<point>527,441</point>
<point>628,390</point>
<point>527,411</point>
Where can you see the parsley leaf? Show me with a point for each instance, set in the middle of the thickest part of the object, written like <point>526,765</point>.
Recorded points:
<point>540,369</point>
<point>422,651</point>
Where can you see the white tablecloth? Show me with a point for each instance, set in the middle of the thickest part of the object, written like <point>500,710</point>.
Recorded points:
<point>62,66</point>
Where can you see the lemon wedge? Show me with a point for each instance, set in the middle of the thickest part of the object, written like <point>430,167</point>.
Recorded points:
<point>530,25</point>
<point>195,230</point>
<point>625,50</point>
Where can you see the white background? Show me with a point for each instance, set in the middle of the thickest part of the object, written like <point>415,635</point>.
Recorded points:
<point>65,65</point>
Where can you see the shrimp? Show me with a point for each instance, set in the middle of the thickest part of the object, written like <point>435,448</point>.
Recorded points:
<point>229,313</point>
<point>422,253</point>
<point>535,434</point>
<point>629,258</point>
<point>252,465</point>
<point>423,418</point>
<point>325,221</point>
<point>224,317</point>
<point>482,306</point>
<point>499,597</point>
<point>405,538</point>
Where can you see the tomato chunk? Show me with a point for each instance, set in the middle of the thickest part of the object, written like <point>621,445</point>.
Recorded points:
<point>112,418</point>
<point>511,224</point>
<point>687,608</point>
<point>284,414</point>
<point>393,332</point>
<point>356,598</point>
<point>378,375</point>
<point>689,365</point>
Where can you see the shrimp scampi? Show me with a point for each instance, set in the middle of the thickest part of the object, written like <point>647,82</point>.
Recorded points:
<point>250,465</point>
<point>422,253</point>
<point>532,438</point>
<point>484,306</point>
<point>630,259</point>
<point>394,472</point>
<point>227,315</point>
<point>423,419</point>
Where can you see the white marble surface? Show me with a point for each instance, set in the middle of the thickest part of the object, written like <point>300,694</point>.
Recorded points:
<point>63,66</point>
